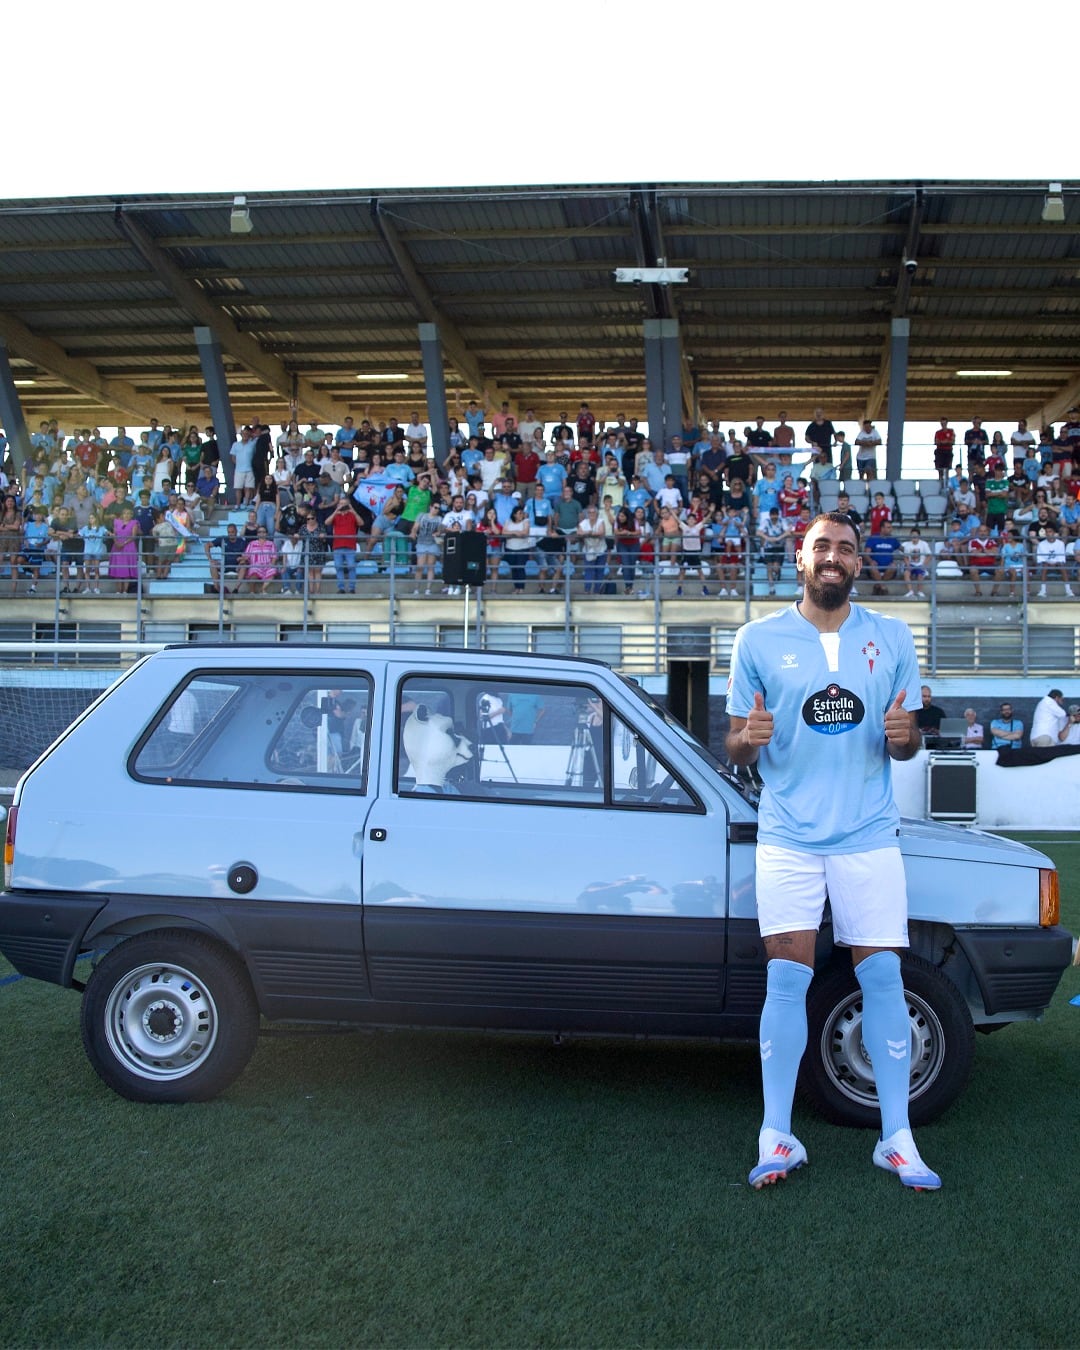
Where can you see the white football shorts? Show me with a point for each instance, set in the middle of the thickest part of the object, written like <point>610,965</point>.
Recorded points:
<point>867,893</point>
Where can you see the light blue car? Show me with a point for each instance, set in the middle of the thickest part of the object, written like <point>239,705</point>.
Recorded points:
<point>386,836</point>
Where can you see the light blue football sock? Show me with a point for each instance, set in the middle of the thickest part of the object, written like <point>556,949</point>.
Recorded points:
<point>886,1036</point>
<point>782,1039</point>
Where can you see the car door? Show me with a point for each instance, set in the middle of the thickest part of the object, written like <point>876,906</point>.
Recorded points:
<point>535,860</point>
<point>257,791</point>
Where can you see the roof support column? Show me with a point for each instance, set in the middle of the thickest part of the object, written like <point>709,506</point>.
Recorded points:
<point>217,392</point>
<point>671,347</point>
<point>654,381</point>
<point>12,414</point>
<point>435,389</point>
<point>898,367</point>
<point>663,380</point>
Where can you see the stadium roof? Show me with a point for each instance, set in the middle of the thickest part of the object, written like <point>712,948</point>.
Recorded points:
<point>791,290</point>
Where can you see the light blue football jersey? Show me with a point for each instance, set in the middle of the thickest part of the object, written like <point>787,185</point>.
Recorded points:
<point>826,771</point>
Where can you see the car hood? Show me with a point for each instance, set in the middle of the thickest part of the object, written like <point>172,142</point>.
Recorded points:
<point>936,839</point>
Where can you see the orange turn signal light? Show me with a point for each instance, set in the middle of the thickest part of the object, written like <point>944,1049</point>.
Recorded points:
<point>1049,897</point>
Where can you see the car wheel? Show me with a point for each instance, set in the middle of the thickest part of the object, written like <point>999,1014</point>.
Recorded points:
<point>837,1076</point>
<point>169,1017</point>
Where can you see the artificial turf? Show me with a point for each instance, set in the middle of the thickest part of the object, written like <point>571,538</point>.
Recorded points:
<point>453,1190</point>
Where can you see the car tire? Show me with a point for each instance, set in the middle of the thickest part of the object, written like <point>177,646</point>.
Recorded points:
<point>836,1075</point>
<point>169,1016</point>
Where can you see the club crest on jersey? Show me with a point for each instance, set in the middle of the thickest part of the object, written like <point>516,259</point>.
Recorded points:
<point>871,653</point>
<point>833,710</point>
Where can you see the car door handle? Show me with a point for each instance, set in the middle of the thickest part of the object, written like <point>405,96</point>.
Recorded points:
<point>377,836</point>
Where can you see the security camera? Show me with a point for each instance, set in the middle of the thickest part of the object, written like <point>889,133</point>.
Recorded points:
<point>911,266</point>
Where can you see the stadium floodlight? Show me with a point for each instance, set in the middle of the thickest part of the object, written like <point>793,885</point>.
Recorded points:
<point>1053,212</point>
<point>653,276</point>
<point>240,217</point>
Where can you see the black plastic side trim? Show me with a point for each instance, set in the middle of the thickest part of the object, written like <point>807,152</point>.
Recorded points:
<point>41,932</point>
<point>1017,969</point>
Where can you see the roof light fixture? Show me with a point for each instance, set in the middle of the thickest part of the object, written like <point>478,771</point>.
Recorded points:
<point>1053,212</point>
<point>240,217</point>
<point>402,375</point>
<point>984,374</point>
<point>653,276</point>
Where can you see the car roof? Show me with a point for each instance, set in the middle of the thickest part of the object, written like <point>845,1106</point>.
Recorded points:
<point>304,652</point>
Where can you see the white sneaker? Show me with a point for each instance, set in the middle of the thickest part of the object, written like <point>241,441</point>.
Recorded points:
<point>921,595</point>
<point>909,595</point>
<point>416,591</point>
<point>722,591</point>
<point>1068,590</point>
<point>898,1155</point>
<point>778,1154</point>
<point>853,591</point>
<point>1041,596</point>
<point>427,590</point>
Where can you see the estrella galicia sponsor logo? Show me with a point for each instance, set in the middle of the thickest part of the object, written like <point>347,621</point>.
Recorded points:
<point>833,710</point>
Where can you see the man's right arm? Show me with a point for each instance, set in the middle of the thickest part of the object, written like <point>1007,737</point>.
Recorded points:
<point>746,735</point>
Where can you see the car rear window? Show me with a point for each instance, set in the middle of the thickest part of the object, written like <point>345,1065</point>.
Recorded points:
<point>259,729</point>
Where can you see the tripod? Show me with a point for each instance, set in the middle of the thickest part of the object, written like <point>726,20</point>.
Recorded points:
<point>488,736</point>
<point>582,752</point>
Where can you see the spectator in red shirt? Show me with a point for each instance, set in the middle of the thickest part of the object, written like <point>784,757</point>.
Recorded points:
<point>879,513</point>
<point>944,440</point>
<point>344,524</point>
<point>983,559</point>
<point>586,423</point>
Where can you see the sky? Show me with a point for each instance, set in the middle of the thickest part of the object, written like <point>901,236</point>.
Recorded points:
<point>121,97</point>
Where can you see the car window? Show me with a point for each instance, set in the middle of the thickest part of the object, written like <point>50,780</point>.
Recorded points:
<point>527,741</point>
<point>256,729</point>
<point>639,777</point>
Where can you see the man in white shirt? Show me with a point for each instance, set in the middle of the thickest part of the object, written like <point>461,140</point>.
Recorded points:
<point>866,450</point>
<point>416,431</point>
<point>916,565</point>
<point>1050,721</point>
<point>1050,557</point>
<point>528,426</point>
<point>1020,440</point>
<point>973,732</point>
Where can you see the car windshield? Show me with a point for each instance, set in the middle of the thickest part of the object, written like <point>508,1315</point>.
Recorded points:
<point>744,787</point>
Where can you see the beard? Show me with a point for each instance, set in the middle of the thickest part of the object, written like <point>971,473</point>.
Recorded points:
<point>828,595</point>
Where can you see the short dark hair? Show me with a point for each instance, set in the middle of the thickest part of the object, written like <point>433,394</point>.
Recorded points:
<point>837,518</point>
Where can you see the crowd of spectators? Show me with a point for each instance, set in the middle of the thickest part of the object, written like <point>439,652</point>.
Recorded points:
<point>700,507</point>
<point>1054,725</point>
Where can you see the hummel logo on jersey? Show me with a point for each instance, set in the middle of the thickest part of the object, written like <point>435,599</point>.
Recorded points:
<point>897,1049</point>
<point>789,662</point>
<point>766,1049</point>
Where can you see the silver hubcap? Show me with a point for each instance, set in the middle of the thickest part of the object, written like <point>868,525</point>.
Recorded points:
<point>161,1021</point>
<point>848,1065</point>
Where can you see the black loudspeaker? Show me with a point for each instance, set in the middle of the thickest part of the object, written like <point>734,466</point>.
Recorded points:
<point>463,559</point>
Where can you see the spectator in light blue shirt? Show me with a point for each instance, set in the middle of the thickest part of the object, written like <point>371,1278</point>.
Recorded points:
<point>538,508</point>
<point>766,492</point>
<point>551,475</point>
<point>656,472</point>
